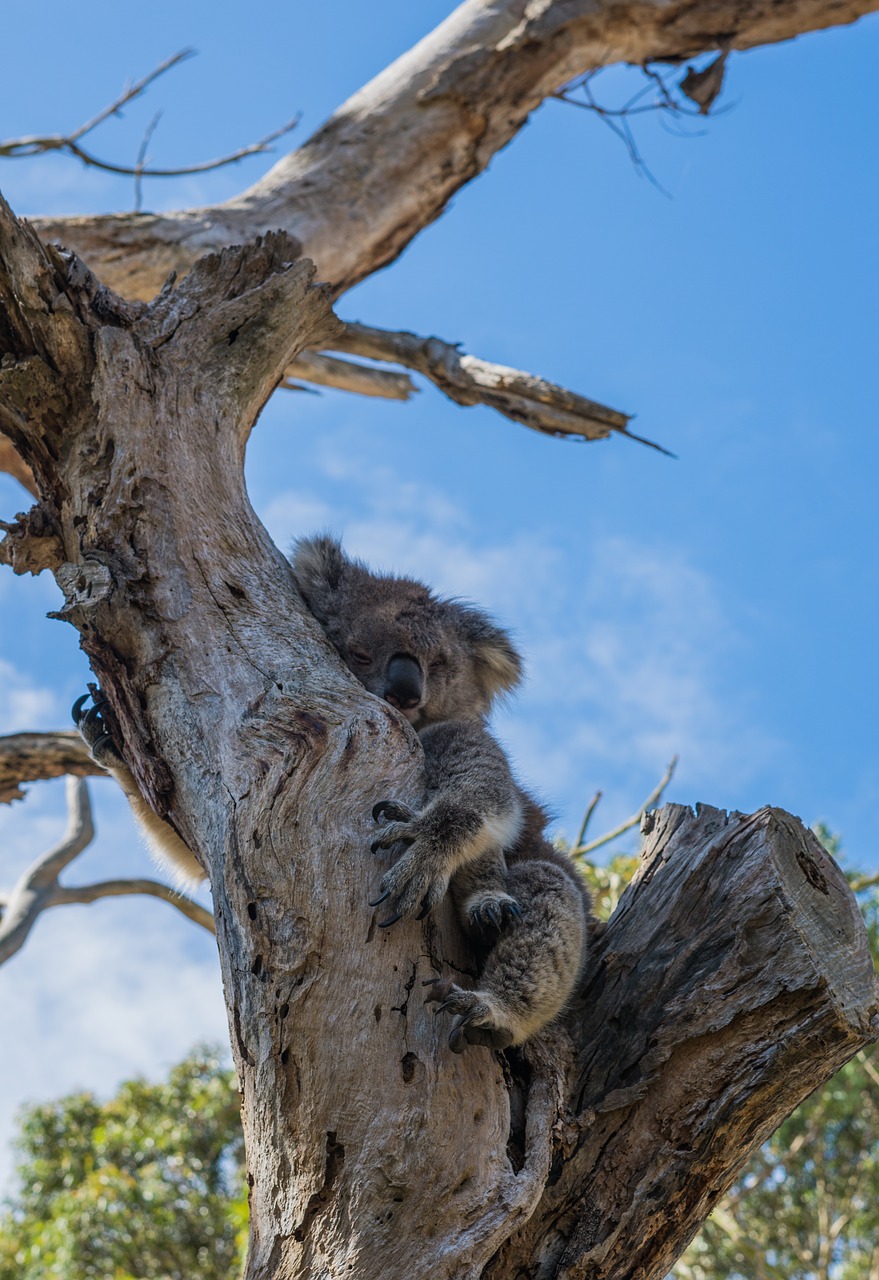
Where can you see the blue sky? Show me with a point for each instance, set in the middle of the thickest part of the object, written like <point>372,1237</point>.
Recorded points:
<point>721,606</point>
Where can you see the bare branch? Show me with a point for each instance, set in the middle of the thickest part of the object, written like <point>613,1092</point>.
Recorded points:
<point>38,889</point>
<point>468,380</point>
<point>345,375</point>
<point>123,888</point>
<point>389,160</point>
<point>580,850</point>
<point>35,145</point>
<point>35,757</point>
<point>35,889</point>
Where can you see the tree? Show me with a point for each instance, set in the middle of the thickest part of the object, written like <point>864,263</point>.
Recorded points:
<point>149,1183</point>
<point>736,972</point>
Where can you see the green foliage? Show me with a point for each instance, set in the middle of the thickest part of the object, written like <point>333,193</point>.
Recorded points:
<point>606,883</point>
<point>147,1186</point>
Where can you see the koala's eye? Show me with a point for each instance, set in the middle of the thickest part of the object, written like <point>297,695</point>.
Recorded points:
<point>361,657</point>
<point>439,663</point>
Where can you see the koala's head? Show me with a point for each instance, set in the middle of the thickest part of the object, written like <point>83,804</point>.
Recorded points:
<point>433,659</point>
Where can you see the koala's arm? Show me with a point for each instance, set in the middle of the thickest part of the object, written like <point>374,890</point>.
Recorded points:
<point>472,811</point>
<point>166,847</point>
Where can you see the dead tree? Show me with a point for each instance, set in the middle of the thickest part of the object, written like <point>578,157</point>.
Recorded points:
<point>735,975</point>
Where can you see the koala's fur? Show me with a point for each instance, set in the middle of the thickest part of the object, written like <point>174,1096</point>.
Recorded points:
<point>524,905</point>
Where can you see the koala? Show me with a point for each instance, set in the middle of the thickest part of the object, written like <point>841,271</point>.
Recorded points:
<point>477,833</point>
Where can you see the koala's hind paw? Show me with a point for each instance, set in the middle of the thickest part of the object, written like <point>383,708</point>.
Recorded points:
<point>474,1021</point>
<point>95,732</point>
<point>494,911</point>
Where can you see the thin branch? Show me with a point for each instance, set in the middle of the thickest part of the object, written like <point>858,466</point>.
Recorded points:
<point>122,888</point>
<point>544,406</point>
<point>590,809</point>
<point>346,375</point>
<point>864,882</point>
<point>35,145</point>
<point>38,889</point>
<point>580,850</point>
<point>140,163</point>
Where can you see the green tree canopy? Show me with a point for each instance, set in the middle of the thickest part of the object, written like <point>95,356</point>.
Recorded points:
<point>146,1186</point>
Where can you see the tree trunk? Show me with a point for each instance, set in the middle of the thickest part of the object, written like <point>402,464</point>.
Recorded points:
<point>733,979</point>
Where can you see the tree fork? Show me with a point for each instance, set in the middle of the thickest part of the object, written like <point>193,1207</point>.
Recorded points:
<point>732,980</point>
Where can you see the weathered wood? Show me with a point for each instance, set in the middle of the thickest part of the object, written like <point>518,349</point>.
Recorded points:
<point>36,757</point>
<point>733,978</point>
<point>388,161</point>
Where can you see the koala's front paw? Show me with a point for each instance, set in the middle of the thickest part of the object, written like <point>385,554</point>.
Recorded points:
<point>475,1021</point>
<point>495,911</point>
<point>95,733</point>
<point>414,884</point>
<point>418,879</point>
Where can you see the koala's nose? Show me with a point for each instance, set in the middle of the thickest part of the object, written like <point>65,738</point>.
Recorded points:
<point>403,684</point>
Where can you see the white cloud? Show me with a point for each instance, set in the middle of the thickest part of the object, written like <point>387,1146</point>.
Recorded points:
<point>23,704</point>
<point>124,990</point>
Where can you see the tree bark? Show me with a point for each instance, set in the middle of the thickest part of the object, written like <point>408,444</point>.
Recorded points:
<point>388,161</point>
<point>734,977</point>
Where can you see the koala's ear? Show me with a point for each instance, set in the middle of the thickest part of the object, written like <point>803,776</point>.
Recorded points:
<point>497,663</point>
<point>319,567</point>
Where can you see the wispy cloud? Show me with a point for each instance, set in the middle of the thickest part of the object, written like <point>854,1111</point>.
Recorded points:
<point>631,653</point>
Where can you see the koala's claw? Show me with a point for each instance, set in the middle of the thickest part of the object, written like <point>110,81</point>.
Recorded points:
<point>392,811</point>
<point>494,912</point>
<point>383,898</point>
<point>393,833</point>
<point>386,924</point>
<point>473,1023</point>
<point>95,731</point>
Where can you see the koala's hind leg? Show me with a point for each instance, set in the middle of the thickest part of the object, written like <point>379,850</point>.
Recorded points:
<point>531,971</point>
<point>480,891</point>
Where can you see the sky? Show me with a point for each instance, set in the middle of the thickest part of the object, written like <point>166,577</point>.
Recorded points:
<point>720,606</point>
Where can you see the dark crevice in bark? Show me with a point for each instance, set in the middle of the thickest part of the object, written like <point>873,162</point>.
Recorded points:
<point>320,1200</point>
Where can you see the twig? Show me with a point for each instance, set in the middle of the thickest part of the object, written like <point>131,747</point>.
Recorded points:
<point>18,148</point>
<point>587,817</point>
<point>864,882</point>
<point>141,159</point>
<point>580,850</point>
<point>38,889</point>
<point>699,87</point>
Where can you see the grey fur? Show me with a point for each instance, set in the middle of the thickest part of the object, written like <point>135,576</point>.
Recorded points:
<point>524,905</point>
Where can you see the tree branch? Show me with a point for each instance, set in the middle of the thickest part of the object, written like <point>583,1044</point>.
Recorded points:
<point>428,124</point>
<point>16,467</point>
<point>36,757</point>
<point>345,375</point>
<point>38,889</point>
<point>19,148</point>
<point>87,893</point>
<point>468,380</point>
<point>580,849</point>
